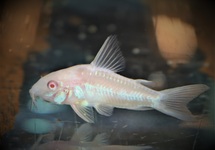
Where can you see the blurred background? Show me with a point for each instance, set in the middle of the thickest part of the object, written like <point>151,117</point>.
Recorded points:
<point>171,42</point>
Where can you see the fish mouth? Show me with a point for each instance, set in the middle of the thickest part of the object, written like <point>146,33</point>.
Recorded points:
<point>35,97</point>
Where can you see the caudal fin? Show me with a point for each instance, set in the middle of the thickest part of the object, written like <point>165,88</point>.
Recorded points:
<point>174,101</point>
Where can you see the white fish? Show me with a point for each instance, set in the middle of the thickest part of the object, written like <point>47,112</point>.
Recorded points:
<point>97,85</point>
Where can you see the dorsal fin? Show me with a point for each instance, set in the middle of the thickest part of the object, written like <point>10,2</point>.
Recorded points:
<point>110,56</point>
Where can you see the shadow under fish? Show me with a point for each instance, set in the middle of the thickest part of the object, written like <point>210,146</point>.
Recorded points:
<point>83,139</point>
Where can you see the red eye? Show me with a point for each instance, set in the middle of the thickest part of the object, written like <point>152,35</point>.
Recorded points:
<point>52,85</point>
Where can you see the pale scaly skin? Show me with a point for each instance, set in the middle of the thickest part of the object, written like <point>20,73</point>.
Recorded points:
<point>105,87</point>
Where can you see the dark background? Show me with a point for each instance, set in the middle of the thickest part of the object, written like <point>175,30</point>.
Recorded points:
<point>38,37</point>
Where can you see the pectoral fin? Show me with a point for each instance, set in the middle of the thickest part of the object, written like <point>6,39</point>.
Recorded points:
<point>85,112</point>
<point>104,110</point>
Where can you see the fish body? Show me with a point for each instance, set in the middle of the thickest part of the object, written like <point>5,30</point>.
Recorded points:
<point>98,85</point>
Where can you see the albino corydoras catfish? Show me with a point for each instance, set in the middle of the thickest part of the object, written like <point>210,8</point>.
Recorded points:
<point>98,85</point>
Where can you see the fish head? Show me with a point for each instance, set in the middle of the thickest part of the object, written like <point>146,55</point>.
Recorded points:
<point>53,87</point>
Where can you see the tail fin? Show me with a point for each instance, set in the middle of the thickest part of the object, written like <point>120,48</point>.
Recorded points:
<point>174,101</point>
